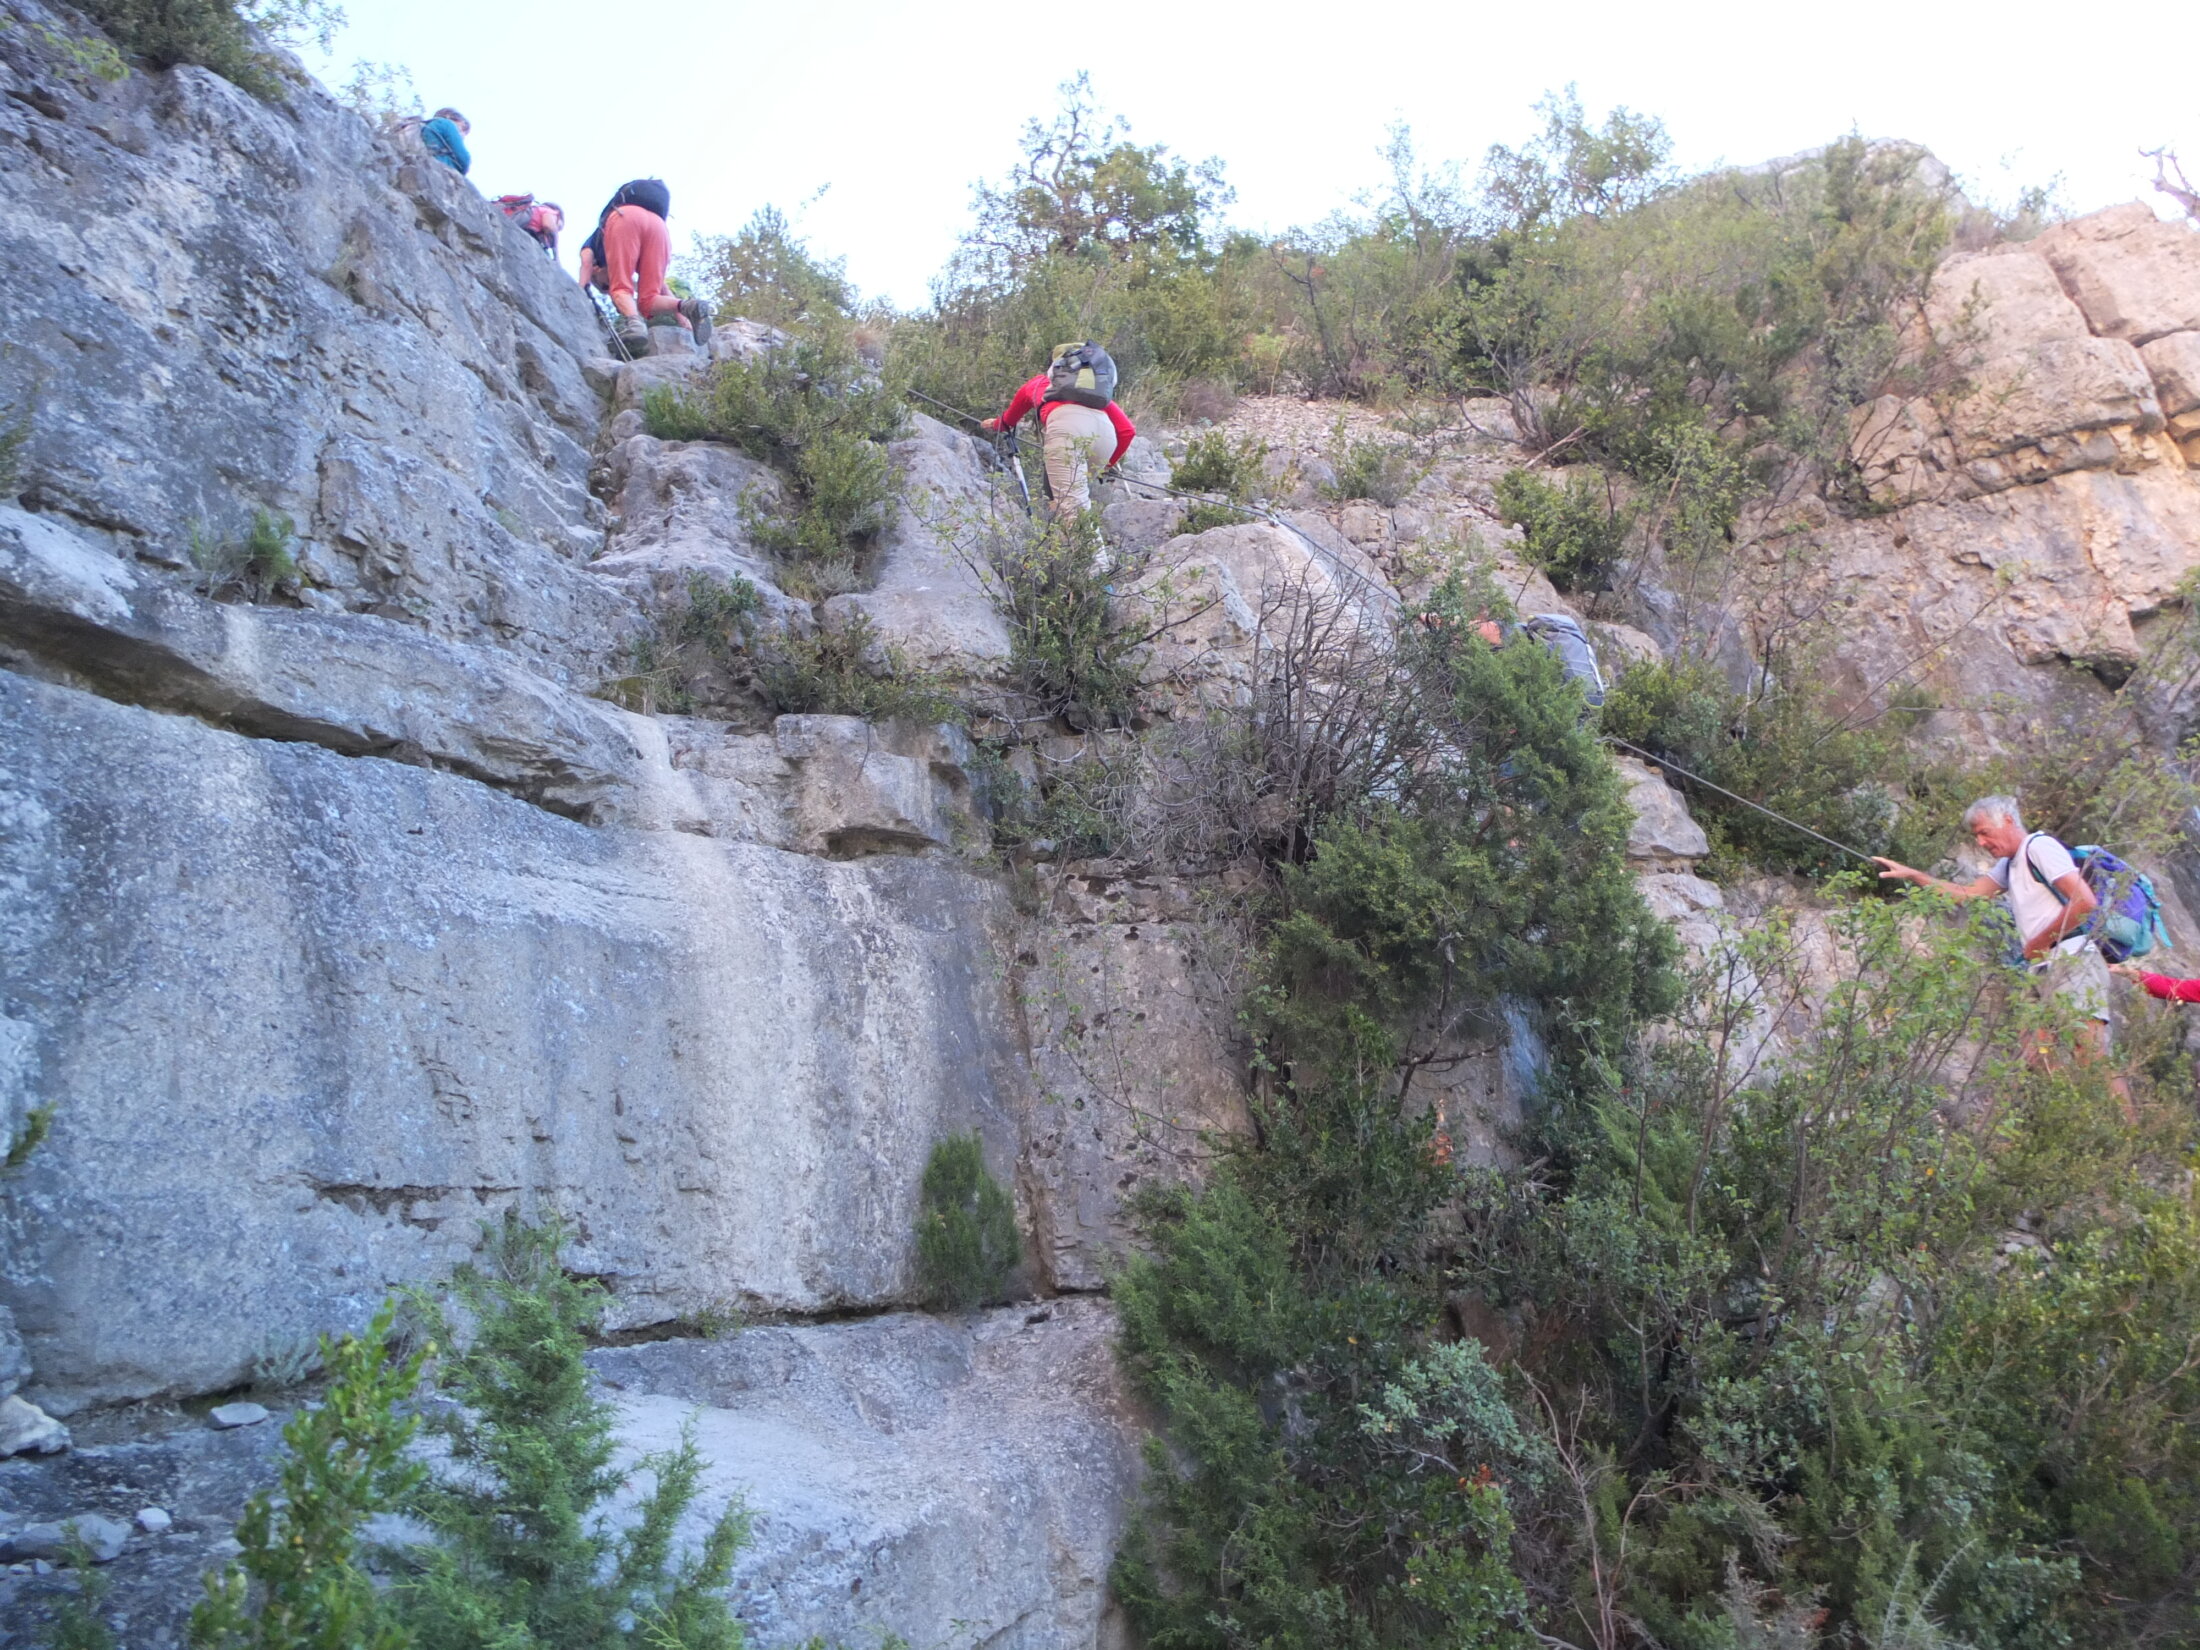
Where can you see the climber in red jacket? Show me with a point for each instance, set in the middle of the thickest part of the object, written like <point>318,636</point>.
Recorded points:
<point>1078,420</point>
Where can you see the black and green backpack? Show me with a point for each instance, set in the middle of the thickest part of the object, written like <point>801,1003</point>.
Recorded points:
<point>1083,374</point>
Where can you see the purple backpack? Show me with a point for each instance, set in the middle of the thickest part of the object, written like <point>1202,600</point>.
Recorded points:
<point>2128,922</point>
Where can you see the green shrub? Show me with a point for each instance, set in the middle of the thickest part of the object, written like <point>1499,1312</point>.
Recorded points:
<point>1091,236</point>
<point>1079,806</point>
<point>37,1124</point>
<point>843,496</point>
<point>1335,1469</point>
<point>84,57</point>
<point>720,615</point>
<point>1379,470</point>
<point>779,403</point>
<point>1329,1477</point>
<point>211,33</point>
<point>80,1621</point>
<point>818,413</point>
<point>1784,1314</point>
<point>299,1583</point>
<point>653,679</point>
<point>255,566</point>
<point>768,273</point>
<point>1853,773</point>
<point>382,92</point>
<point>1204,516</point>
<point>1507,821</point>
<point>1761,307</point>
<point>699,651</point>
<point>1853,779</point>
<point>847,671</point>
<point>967,1243</point>
<point>524,1541</point>
<point>1622,311</point>
<point>708,651</point>
<point>1054,583</point>
<point>526,1551</point>
<point>1576,534</point>
<point>1213,463</point>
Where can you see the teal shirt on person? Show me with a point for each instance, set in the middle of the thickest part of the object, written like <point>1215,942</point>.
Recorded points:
<point>445,142</point>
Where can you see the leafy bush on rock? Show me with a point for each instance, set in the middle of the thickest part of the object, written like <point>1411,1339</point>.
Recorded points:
<point>967,1243</point>
<point>527,1554</point>
<point>820,414</point>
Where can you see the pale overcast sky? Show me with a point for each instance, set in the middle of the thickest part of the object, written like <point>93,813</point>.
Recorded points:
<point>899,107</point>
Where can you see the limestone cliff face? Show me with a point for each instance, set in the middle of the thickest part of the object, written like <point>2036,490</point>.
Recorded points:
<point>259,1027</point>
<point>220,305</point>
<point>332,925</point>
<point>2042,509</point>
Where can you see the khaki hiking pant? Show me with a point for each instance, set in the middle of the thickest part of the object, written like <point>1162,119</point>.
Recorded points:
<point>1078,442</point>
<point>2077,973</point>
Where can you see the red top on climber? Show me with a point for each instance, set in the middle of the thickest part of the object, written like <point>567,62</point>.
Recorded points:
<point>1034,394</point>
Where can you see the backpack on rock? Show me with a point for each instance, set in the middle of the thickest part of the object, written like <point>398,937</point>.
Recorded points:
<point>1567,643</point>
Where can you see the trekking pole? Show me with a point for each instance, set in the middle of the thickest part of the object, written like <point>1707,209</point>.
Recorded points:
<point>1010,451</point>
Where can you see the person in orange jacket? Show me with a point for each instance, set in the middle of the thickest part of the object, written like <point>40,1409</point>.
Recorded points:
<point>1073,437</point>
<point>628,256</point>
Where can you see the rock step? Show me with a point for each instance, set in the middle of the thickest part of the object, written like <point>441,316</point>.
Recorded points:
<point>364,686</point>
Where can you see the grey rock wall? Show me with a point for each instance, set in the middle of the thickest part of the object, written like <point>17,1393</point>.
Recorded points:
<point>1129,991</point>
<point>953,1480</point>
<point>962,1480</point>
<point>308,1018</point>
<point>334,925</point>
<point>217,305</point>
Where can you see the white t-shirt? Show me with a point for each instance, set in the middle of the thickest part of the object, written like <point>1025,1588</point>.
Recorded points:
<point>2031,901</point>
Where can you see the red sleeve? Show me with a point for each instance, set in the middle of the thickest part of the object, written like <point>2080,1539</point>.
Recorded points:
<point>1026,398</point>
<point>2176,991</point>
<point>1125,430</point>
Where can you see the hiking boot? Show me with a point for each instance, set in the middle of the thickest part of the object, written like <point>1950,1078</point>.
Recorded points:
<point>697,313</point>
<point>632,331</point>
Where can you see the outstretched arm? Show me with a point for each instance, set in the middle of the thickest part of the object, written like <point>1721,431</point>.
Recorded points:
<point>1893,870</point>
<point>2164,986</point>
<point>1026,397</point>
<point>1125,433</point>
